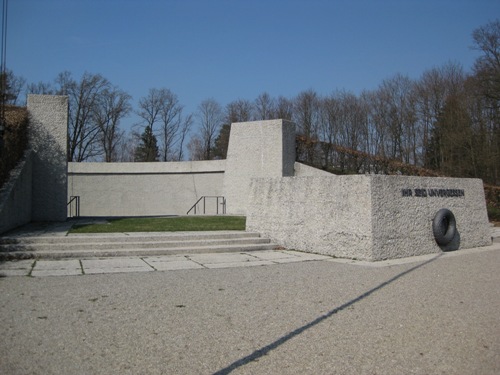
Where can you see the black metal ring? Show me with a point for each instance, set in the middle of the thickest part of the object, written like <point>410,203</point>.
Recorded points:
<point>444,227</point>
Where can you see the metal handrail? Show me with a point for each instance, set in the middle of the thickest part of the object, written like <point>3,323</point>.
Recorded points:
<point>204,198</point>
<point>76,199</point>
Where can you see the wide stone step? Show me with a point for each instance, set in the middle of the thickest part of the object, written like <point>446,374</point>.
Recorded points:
<point>120,252</point>
<point>144,244</point>
<point>142,237</point>
<point>131,245</point>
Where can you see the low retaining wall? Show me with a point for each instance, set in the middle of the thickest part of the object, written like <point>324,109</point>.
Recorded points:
<point>144,189</point>
<point>15,195</point>
<point>366,217</point>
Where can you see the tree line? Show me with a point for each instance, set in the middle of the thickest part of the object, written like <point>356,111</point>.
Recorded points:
<point>447,120</point>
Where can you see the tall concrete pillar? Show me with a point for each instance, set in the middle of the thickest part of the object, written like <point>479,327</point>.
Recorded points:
<point>256,149</point>
<point>48,139</point>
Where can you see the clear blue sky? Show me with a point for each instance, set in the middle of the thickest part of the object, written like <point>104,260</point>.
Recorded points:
<point>235,49</point>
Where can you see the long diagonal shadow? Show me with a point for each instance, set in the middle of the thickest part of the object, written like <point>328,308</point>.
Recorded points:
<point>266,349</point>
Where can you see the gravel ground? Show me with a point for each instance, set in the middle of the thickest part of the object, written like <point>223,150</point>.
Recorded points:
<point>439,316</point>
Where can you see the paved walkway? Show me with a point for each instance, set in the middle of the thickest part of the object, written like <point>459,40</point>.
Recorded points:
<point>68,267</point>
<point>76,267</point>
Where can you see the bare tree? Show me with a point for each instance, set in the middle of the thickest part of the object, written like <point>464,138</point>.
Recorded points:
<point>487,66</point>
<point>40,88</point>
<point>196,148</point>
<point>83,97</point>
<point>173,127</point>
<point>239,111</point>
<point>283,108</point>
<point>487,75</point>
<point>185,127</point>
<point>307,118</point>
<point>112,106</point>
<point>14,85</point>
<point>211,117</point>
<point>264,107</point>
<point>126,146</point>
<point>151,106</point>
<point>161,111</point>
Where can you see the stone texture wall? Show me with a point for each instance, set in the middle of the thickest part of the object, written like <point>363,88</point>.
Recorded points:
<point>15,195</point>
<point>402,225</point>
<point>145,189</point>
<point>48,139</point>
<point>364,217</point>
<point>256,149</point>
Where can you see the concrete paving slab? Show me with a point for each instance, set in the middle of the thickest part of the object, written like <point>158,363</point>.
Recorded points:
<point>68,264</point>
<point>272,255</point>
<point>164,258</point>
<point>173,265</point>
<point>92,271</point>
<point>56,272</point>
<point>16,268</point>
<point>240,264</point>
<point>113,263</point>
<point>221,258</point>
<point>17,265</point>
<point>14,272</point>
<point>307,256</point>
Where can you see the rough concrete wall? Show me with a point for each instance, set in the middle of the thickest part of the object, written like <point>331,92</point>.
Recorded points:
<point>402,224</point>
<point>15,196</point>
<point>145,189</point>
<point>326,215</point>
<point>366,217</point>
<point>48,139</point>
<point>256,149</point>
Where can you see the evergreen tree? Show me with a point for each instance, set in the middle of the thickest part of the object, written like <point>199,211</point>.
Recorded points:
<point>147,150</point>
<point>221,142</point>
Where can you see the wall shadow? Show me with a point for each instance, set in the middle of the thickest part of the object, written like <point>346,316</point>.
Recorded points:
<point>275,344</point>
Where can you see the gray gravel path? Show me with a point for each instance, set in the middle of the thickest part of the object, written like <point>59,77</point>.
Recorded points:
<point>435,316</point>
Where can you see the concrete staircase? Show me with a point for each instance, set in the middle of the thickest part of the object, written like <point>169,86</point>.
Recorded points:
<point>130,244</point>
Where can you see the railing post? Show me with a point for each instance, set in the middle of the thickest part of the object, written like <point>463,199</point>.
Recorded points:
<point>76,199</point>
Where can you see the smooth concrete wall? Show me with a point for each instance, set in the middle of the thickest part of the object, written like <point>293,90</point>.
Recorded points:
<point>256,149</point>
<point>145,189</point>
<point>302,170</point>
<point>15,195</point>
<point>365,217</point>
<point>48,139</point>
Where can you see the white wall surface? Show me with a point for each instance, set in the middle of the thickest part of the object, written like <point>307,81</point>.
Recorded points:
<point>144,189</point>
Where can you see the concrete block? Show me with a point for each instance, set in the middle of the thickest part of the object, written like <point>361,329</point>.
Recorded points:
<point>48,139</point>
<point>366,217</point>
<point>256,149</point>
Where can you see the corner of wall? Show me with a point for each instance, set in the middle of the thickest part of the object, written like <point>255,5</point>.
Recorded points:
<point>48,139</point>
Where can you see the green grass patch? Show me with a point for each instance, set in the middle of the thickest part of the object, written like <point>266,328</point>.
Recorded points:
<point>164,224</point>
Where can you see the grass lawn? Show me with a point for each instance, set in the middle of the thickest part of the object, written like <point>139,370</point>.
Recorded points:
<point>164,224</point>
